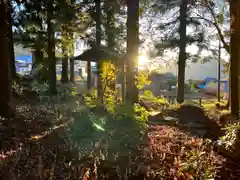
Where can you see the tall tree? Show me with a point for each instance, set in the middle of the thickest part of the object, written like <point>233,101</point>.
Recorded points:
<point>51,49</point>
<point>30,32</point>
<point>182,51</point>
<point>132,49</point>
<point>173,34</point>
<point>235,56</point>
<point>73,21</point>
<point>65,52</point>
<point>11,42</point>
<point>5,78</point>
<point>65,55</point>
<point>110,24</point>
<point>72,69</point>
<point>98,46</point>
<point>109,29</point>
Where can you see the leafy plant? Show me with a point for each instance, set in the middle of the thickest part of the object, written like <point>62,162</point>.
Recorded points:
<point>197,163</point>
<point>17,88</point>
<point>157,102</point>
<point>142,80</point>
<point>90,98</point>
<point>230,138</point>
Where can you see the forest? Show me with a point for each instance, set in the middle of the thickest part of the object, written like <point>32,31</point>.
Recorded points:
<point>126,118</point>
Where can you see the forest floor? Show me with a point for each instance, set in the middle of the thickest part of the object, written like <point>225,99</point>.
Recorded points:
<point>176,145</point>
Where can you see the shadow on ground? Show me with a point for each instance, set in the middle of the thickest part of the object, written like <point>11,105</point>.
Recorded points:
<point>191,119</point>
<point>155,157</point>
<point>29,121</point>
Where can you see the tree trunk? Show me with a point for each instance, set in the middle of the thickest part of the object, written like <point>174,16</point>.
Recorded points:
<point>51,51</point>
<point>182,51</point>
<point>123,83</point>
<point>235,56</point>
<point>37,58</point>
<point>110,35</point>
<point>132,49</point>
<point>72,71</point>
<point>5,77</point>
<point>110,27</point>
<point>64,78</point>
<point>89,75</point>
<point>11,43</point>
<point>219,73</point>
<point>98,46</point>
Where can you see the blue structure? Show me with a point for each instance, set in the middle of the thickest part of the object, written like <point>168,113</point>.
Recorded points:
<point>23,63</point>
<point>214,80</point>
<point>26,59</point>
<point>206,81</point>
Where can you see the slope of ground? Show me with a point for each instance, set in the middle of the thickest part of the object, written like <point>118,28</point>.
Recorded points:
<point>39,149</point>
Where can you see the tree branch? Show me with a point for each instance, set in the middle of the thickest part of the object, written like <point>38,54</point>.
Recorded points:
<point>215,23</point>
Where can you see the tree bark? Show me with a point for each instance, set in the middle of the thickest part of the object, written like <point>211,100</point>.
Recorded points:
<point>51,50</point>
<point>110,27</point>
<point>219,73</point>
<point>110,34</point>
<point>72,71</point>
<point>64,78</point>
<point>89,75</point>
<point>37,58</point>
<point>98,46</point>
<point>182,51</point>
<point>5,77</point>
<point>11,43</point>
<point>235,56</point>
<point>123,80</point>
<point>132,49</point>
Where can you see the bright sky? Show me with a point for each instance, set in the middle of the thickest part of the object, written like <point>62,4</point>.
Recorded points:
<point>148,29</point>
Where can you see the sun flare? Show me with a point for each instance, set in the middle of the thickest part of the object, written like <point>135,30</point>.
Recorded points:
<point>142,60</point>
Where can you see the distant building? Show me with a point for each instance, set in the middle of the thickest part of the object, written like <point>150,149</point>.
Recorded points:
<point>23,59</point>
<point>194,71</point>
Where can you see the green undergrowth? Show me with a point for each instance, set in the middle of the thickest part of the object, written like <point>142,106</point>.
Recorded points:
<point>114,131</point>
<point>231,138</point>
<point>147,95</point>
<point>153,103</point>
<point>113,135</point>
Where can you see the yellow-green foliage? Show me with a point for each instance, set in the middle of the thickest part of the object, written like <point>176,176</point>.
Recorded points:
<point>110,100</point>
<point>147,95</point>
<point>90,98</point>
<point>142,80</point>
<point>108,74</point>
<point>230,138</point>
<point>108,77</point>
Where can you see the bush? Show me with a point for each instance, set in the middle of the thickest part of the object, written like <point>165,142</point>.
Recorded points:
<point>157,102</point>
<point>117,133</point>
<point>231,138</point>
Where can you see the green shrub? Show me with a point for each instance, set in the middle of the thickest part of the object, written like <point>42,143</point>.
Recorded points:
<point>90,98</point>
<point>148,96</point>
<point>120,131</point>
<point>229,140</point>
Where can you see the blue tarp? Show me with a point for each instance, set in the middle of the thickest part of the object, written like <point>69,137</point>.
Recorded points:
<point>26,59</point>
<point>208,80</point>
